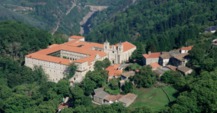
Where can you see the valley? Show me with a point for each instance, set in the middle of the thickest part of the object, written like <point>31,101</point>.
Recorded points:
<point>108,56</point>
<point>66,17</point>
<point>93,9</point>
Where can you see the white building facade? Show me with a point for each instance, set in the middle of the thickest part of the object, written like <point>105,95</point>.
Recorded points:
<point>56,58</point>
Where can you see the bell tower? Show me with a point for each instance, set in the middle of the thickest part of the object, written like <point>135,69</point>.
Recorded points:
<point>120,47</point>
<point>106,46</point>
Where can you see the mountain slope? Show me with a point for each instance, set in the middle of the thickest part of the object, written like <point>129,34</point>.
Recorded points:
<point>158,24</point>
<point>55,16</point>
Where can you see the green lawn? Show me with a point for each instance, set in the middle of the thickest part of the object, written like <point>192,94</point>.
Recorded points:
<point>153,98</point>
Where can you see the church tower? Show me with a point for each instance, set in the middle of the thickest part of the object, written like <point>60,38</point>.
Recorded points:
<point>120,48</point>
<point>106,46</point>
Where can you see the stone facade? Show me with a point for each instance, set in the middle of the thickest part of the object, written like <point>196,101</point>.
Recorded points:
<point>151,58</point>
<point>55,71</point>
<point>117,53</point>
<point>56,58</point>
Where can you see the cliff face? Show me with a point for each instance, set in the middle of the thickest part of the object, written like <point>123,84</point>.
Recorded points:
<point>63,16</point>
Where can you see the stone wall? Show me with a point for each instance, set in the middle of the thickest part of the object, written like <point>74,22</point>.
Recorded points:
<point>54,71</point>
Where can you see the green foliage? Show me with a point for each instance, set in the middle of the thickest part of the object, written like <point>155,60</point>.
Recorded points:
<point>159,25</point>
<point>154,98</point>
<point>18,39</point>
<point>171,77</point>
<point>94,80</point>
<point>88,85</point>
<point>199,96</point>
<point>197,92</point>
<point>63,88</point>
<point>134,67</point>
<point>72,69</point>
<point>23,89</point>
<point>114,108</point>
<point>78,97</point>
<point>114,84</point>
<point>137,55</point>
<point>127,87</point>
<point>16,74</point>
<point>99,65</point>
<point>144,78</point>
<point>113,87</point>
<point>46,14</point>
<point>142,110</point>
<point>203,54</point>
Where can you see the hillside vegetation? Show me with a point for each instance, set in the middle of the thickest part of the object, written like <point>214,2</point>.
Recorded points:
<point>61,16</point>
<point>153,25</point>
<point>158,24</point>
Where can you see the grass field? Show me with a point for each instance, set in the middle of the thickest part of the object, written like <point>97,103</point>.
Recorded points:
<point>153,98</point>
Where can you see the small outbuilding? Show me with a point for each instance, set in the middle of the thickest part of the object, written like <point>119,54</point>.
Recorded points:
<point>128,99</point>
<point>184,70</point>
<point>100,95</point>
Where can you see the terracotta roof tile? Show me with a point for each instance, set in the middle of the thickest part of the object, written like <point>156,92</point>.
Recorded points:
<point>113,70</point>
<point>90,49</point>
<point>85,48</point>
<point>49,58</point>
<point>187,48</point>
<point>152,55</point>
<point>76,37</point>
<point>127,46</point>
<point>155,65</point>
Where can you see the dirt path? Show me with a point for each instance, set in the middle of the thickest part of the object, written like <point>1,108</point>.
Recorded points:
<point>70,9</point>
<point>67,12</point>
<point>56,28</point>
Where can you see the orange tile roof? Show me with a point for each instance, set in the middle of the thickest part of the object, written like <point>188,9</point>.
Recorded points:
<point>86,48</point>
<point>53,45</point>
<point>113,70</point>
<point>49,58</point>
<point>90,49</point>
<point>76,37</point>
<point>155,65</point>
<point>127,46</point>
<point>152,55</point>
<point>187,48</point>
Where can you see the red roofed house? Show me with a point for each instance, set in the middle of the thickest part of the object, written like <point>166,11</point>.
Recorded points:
<point>114,71</point>
<point>151,58</point>
<point>186,49</point>
<point>80,38</point>
<point>55,59</point>
<point>155,66</point>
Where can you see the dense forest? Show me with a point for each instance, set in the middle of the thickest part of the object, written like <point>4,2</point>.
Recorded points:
<point>158,24</point>
<point>62,16</point>
<point>26,90</point>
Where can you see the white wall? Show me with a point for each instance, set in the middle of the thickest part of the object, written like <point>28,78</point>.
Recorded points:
<point>54,71</point>
<point>151,60</point>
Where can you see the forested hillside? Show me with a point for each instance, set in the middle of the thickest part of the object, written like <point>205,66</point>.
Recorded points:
<point>17,39</point>
<point>62,16</point>
<point>158,24</point>
<point>197,92</point>
<point>21,89</point>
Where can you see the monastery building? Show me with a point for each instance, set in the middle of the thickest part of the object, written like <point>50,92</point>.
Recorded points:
<point>55,59</point>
